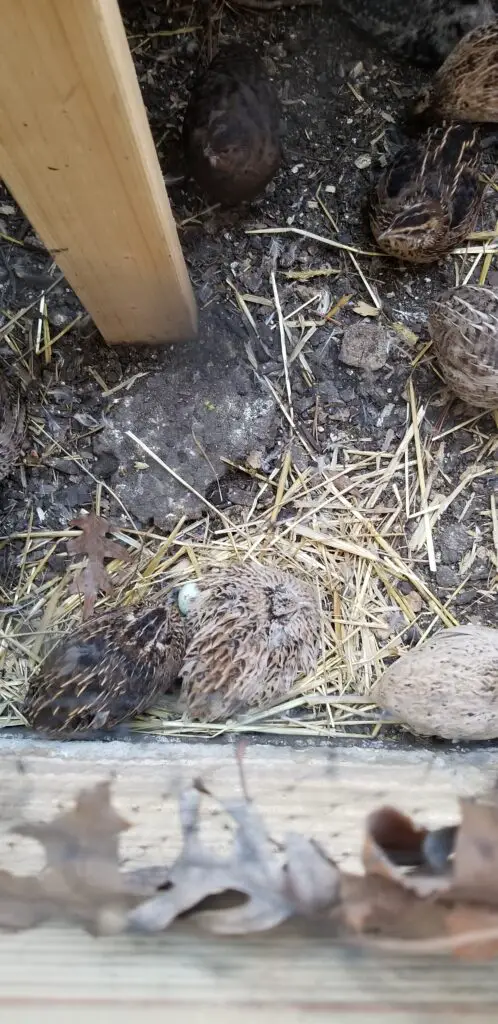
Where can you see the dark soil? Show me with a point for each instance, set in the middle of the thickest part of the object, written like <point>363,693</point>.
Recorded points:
<point>341,101</point>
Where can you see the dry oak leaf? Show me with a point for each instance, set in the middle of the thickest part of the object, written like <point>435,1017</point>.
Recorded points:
<point>475,860</point>
<point>472,922</point>
<point>276,884</point>
<point>473,932</point>
<point>390,900</point>
<point>375,905</point>
<point>448,900</point>
<point>94,543</point>
<point>81,880</point>
<point>23,903</point>
<point>393,844</point>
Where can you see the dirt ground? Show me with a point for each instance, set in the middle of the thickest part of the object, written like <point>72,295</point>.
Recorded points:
<point>341,101</point>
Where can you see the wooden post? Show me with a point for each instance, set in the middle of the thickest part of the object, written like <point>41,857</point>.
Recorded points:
<point>77,154</point>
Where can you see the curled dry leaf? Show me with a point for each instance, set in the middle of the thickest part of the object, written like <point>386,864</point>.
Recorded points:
<point>393,843</point>
<point>448,900</point>
<point>438,847</point>
<point>94,543</point>
<point>276,884</point>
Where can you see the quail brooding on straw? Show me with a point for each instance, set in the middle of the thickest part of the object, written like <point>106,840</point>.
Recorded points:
<point>463,325</point>
<point>448,687</point>
<point>427,200</point>
<point>12,425</point>
<point>254,630</point>
<point>231,130</point>
<point>107,670</point>
<point>465,87</point>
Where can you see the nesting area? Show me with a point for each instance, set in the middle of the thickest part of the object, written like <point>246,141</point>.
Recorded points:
<point>368,481</point>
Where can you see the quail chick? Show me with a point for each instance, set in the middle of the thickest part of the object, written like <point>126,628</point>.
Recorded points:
<point>231,131</point>
<point>448,687</point>
<point>12,426</point>
<point>107,670</point>
<point>427,200</point>
<point>465,88</point>
<point>254,630</point>
<point>463,325</point>
<point>423,31</point>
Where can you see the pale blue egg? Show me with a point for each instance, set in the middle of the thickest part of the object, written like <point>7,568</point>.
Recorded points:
<point>186,595</point>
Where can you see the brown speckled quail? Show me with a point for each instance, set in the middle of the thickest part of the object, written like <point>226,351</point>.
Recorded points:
<point>448,687</point>
<point>427,200</point>
<point>465,87</point>
<point>231,130</point>
<point>463,325</point>
<point>107,670</point>
<point>12,426</point>
<point>254,630</point>
<point>424,31</point>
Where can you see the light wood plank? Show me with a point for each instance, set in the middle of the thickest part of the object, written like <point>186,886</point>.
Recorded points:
<point>55,973</point>
<point>77,153</point>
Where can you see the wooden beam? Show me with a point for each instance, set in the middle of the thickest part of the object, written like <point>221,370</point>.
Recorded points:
<point>53,974</point>
<point>77,153</point>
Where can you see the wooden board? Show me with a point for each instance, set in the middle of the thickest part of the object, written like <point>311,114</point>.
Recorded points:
<point>77,153</point>
<point>56,972</point>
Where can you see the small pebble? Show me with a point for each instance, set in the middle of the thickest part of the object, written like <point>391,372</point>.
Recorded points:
<point>447,577</point>
<point>365,346</point>
<point>454,541</point>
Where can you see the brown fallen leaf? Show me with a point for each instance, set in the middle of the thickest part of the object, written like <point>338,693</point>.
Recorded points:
<point>277,884</point>
<point>81,880</point>
<point>375,905</point>
<point>475,861</point>
<point>23,903</point>
<point>94,543</point>
<point>394,843</point>
<point>473,931</point>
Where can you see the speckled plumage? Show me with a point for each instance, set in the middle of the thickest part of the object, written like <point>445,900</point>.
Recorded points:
<point>427,200</point>
<point>463,325</point>
<point>446,688</point>
<point>424,31</point>
<point>231,130</point>
<point>465,88</point>
<point>12,426</point>
<point>254,630</point>
<point>107,670</point>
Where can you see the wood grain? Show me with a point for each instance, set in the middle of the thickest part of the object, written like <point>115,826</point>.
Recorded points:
<point>77,153</point>
<point>54,972</point>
